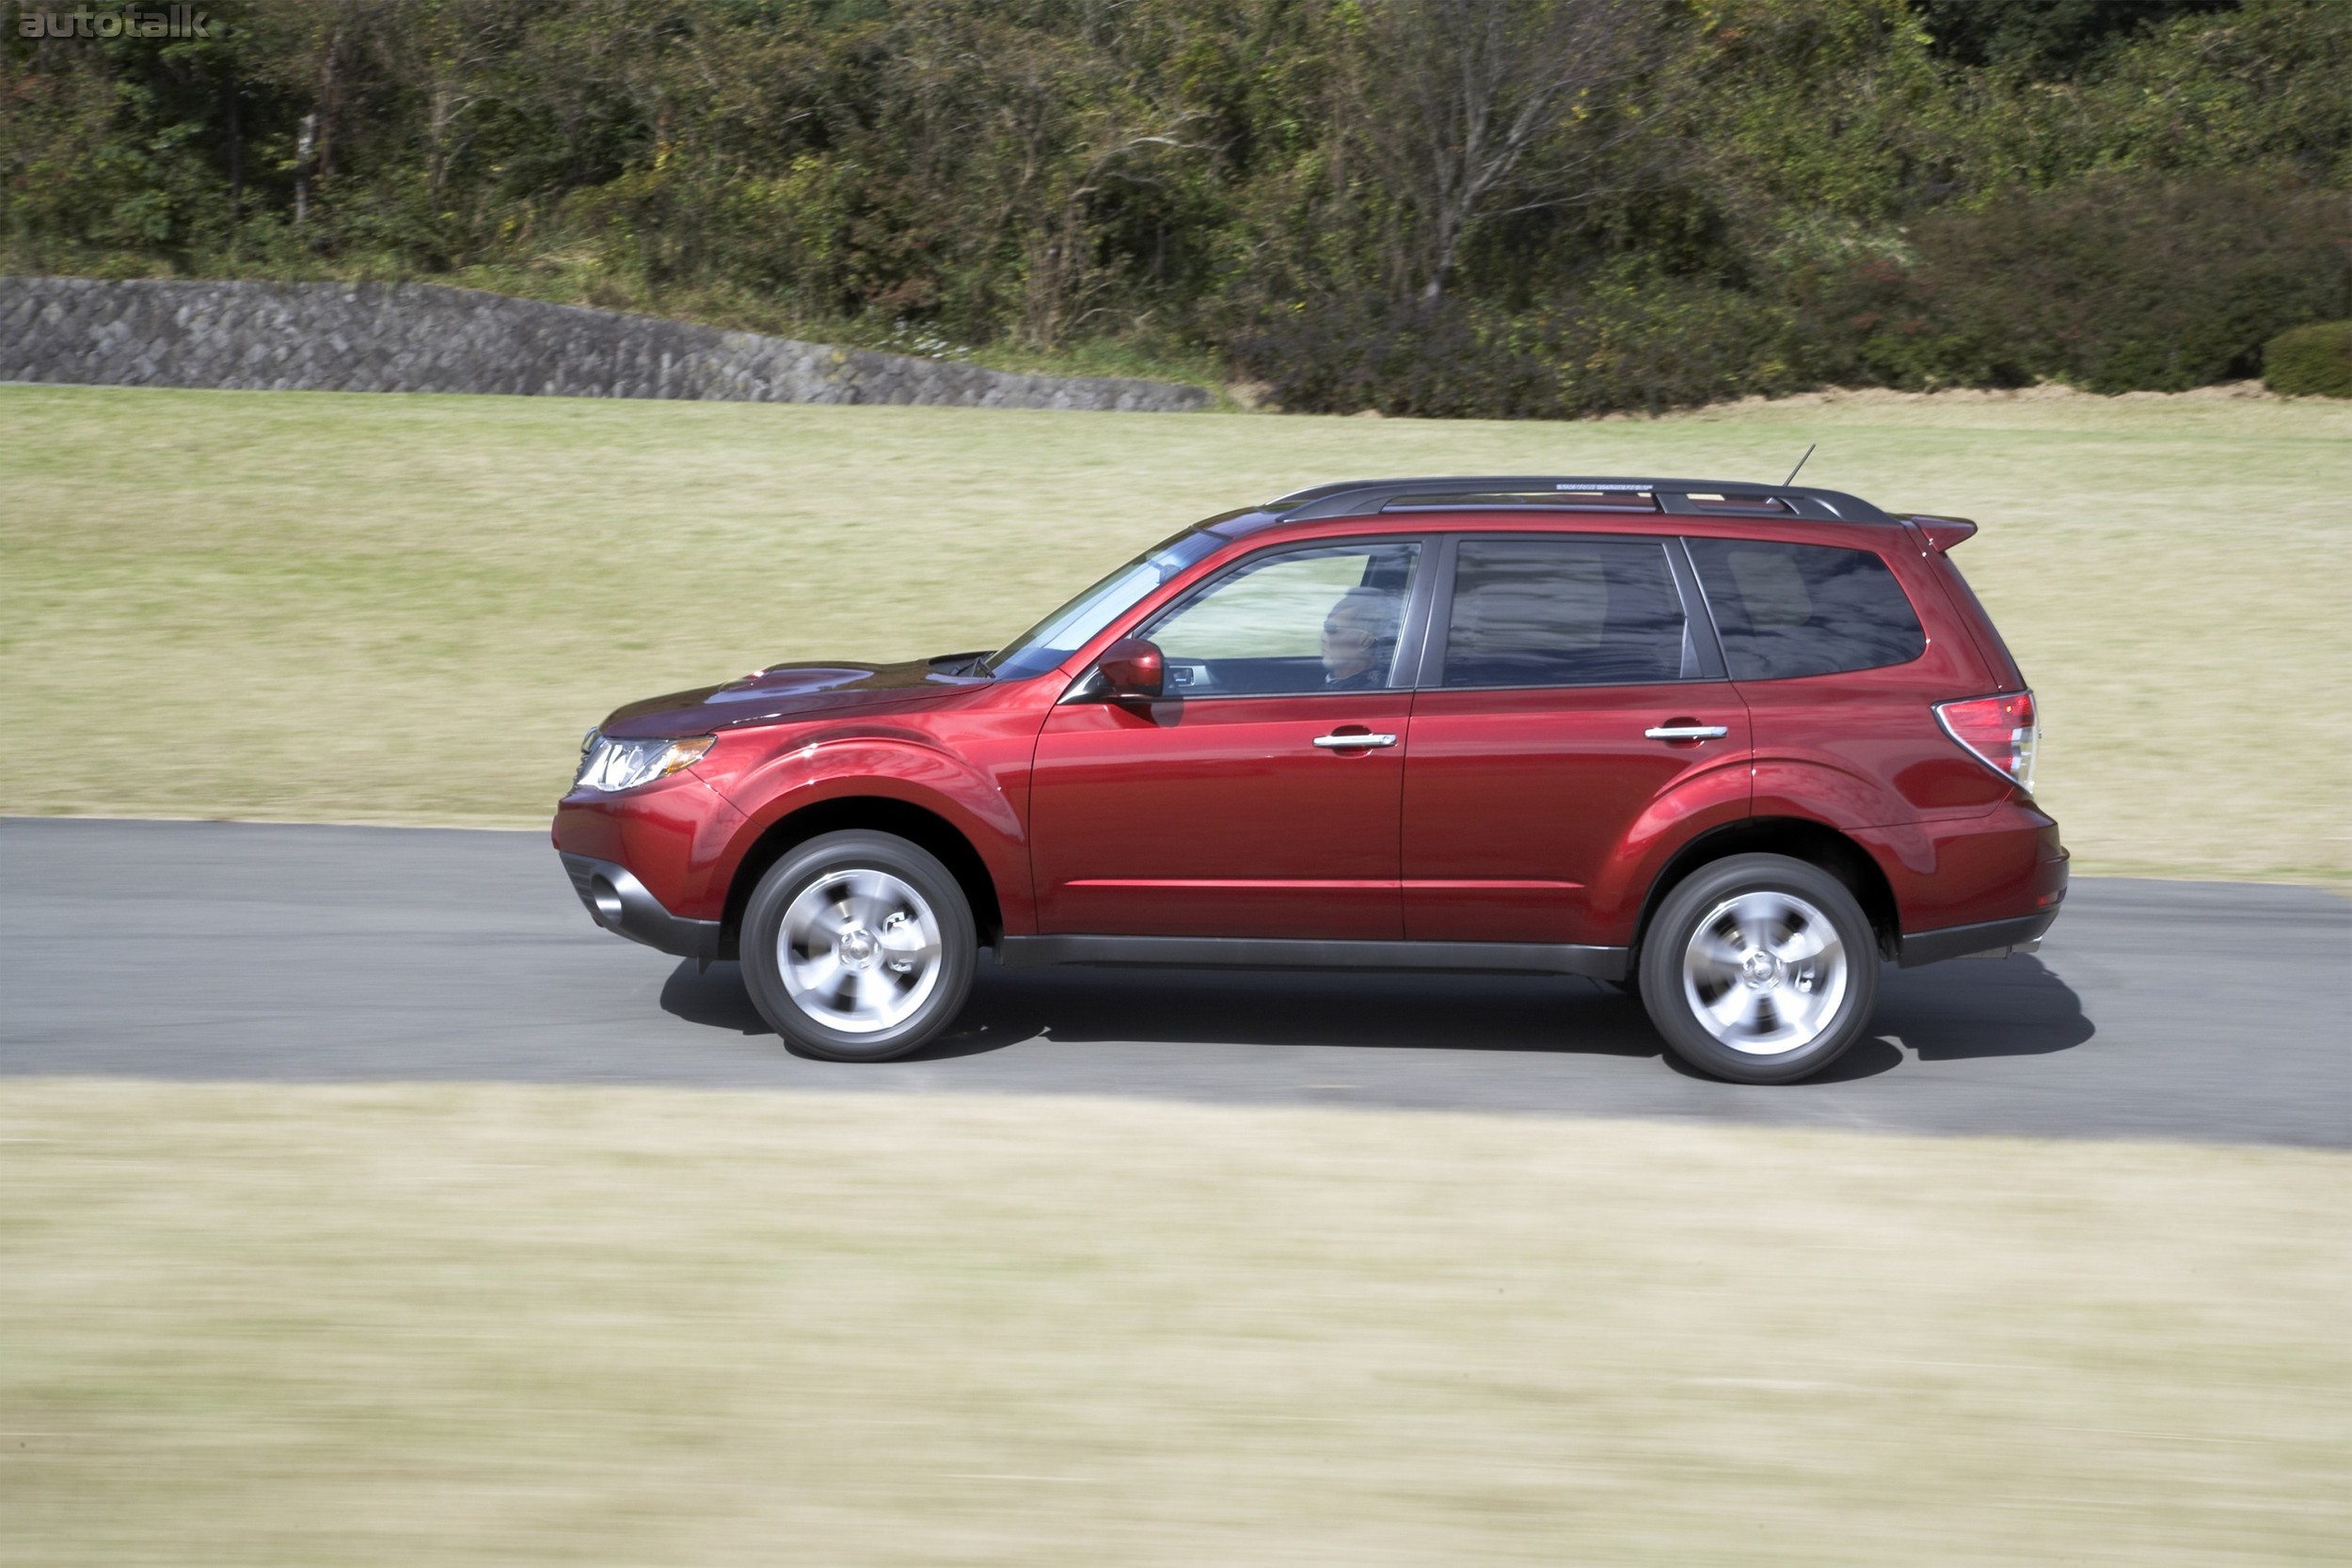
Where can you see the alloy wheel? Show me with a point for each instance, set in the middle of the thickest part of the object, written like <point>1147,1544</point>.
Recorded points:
<point>1764,972</point>
<point>859,950</point>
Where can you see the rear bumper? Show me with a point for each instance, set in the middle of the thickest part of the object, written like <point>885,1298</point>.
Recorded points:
<point>1991,939</point>
<point>621,904</point>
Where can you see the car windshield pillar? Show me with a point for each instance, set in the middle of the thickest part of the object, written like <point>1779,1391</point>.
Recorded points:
<point>1049,643</point>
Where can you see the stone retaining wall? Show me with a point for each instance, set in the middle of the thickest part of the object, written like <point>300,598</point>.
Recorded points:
<point>420,337</point>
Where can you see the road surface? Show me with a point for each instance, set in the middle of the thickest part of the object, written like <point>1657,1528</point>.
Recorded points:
<point>194,950</point>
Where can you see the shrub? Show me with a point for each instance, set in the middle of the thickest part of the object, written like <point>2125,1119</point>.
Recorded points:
<point>1655,345</point>
<point>2311,361</point>
<point>1619,344</point>
<point>2113,285</point>
<point>1343,354</point>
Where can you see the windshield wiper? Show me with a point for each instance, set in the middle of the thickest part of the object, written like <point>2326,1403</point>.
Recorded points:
<point>972,663</point>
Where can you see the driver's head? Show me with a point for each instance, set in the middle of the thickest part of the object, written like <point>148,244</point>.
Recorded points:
<point>1358,632</point>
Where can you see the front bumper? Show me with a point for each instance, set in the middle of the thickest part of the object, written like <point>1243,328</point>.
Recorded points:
<point>621,904</point>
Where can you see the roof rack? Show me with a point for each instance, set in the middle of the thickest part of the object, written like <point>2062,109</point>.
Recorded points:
<point>1683,496</point>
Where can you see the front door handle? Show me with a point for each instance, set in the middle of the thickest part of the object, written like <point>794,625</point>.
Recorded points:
<point>1679,732</point>
<point>1332,742</point>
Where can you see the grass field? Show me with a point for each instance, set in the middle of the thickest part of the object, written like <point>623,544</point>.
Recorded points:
<point>458,1325</point>
<point>269,1325</point>
<point>407,609</point>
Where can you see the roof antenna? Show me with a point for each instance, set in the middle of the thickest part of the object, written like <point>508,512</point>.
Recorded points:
<point>1801,462</point>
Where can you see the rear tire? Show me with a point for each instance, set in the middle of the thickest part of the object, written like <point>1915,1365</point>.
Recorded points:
<point>1761,969</point>
<point>858,947</point>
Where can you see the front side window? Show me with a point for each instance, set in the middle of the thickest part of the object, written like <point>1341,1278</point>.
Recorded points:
<point>1293,622</point>
<point>1805,610</point>
<point>1564,612</point>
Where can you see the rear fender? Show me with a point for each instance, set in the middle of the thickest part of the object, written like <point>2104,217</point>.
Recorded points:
<point>1696,803</point>
<point>1825,792</point>
<point>1899,837</point>
<point>1861,862</point>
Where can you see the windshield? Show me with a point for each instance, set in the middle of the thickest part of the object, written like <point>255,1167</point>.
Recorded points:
<point>1068,630</point>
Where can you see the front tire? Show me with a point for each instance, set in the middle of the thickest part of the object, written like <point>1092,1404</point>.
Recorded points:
<point>858,947</point>
<point>1761,969</point>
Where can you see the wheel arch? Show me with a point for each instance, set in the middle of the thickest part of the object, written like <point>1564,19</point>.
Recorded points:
<point>918,824</point>
<point>1799,838</point>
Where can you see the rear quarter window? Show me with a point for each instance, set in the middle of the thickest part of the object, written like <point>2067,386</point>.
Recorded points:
<point>1805,610</point>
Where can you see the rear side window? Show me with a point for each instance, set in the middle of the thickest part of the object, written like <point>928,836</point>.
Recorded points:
<point>1563,612</point>
<point>1805,610</point>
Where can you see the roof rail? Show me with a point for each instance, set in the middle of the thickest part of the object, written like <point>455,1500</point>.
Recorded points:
<point>1686,496</point>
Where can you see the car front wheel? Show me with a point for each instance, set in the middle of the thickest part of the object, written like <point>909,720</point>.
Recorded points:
<point>1761,969</point>
<point>858,947</point>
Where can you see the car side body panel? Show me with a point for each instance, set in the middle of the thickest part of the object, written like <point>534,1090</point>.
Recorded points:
<point>1220,818</point>
<point>1528,810</point>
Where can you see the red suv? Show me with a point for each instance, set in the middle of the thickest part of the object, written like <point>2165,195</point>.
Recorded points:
<point>1728,745</point>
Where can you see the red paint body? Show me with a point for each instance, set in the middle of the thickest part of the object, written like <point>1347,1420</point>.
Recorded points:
<point>1526,814</point>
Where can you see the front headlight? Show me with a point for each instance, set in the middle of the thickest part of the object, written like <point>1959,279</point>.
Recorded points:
<point>608,764</point>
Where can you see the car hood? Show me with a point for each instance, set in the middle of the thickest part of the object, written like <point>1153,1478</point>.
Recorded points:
<point>792,691</point>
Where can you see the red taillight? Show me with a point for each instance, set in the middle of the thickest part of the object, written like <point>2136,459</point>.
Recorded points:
<point>2002,731</point>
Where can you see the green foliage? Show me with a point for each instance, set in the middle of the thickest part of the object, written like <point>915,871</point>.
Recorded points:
<point>2315,360</point>
<point>1758,195</point>
<point>2043,35</point>
<point>2111,284</point>
<point>1622,343</point>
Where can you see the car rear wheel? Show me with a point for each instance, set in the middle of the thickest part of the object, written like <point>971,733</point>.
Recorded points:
<point>1761,969</point>
<point>858,947</point>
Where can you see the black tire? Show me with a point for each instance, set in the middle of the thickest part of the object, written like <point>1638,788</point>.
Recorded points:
<point>847,879</point>
<point>1819,1004</point>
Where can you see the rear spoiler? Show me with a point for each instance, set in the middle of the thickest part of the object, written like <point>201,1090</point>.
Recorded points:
<point>1943,533</point>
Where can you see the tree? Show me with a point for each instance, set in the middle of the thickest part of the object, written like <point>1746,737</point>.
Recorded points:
<point>1475,109</point>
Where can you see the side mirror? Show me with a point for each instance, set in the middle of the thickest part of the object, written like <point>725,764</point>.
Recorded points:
<point>1131,670</point>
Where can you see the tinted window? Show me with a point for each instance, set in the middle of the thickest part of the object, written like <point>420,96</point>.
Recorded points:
<point>1805,610</point>
<point>1563,612</point>
<point>1292,622</point>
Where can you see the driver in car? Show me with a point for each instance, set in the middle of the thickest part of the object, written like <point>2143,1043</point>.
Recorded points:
<point>1358,639</point>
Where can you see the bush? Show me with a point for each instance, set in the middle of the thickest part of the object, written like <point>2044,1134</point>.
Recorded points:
<point>2112,285</point>
<point>1650,345</point>
<point>1344,353</point>
<point>1618,345</point>
<point>2311,361</point>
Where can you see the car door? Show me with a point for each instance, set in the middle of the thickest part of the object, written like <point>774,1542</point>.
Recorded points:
<point>1261,798</point>
<point>1572,686</point>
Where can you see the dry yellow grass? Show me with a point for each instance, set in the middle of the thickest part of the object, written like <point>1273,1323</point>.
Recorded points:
<point>407,609</point>
<point>465,1325</point>
<point>258,1326</point>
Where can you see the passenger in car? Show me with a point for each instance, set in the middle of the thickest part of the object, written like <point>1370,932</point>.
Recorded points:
<point>1360,639</point>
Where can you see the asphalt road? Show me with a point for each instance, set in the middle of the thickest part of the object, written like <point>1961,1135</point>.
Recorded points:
<point>190,950</point>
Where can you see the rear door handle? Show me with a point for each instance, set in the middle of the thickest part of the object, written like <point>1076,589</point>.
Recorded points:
<point>1679,732</point>
<point>1331,742</point>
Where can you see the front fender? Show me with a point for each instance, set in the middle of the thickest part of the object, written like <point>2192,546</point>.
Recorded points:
<point>770,779</point>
